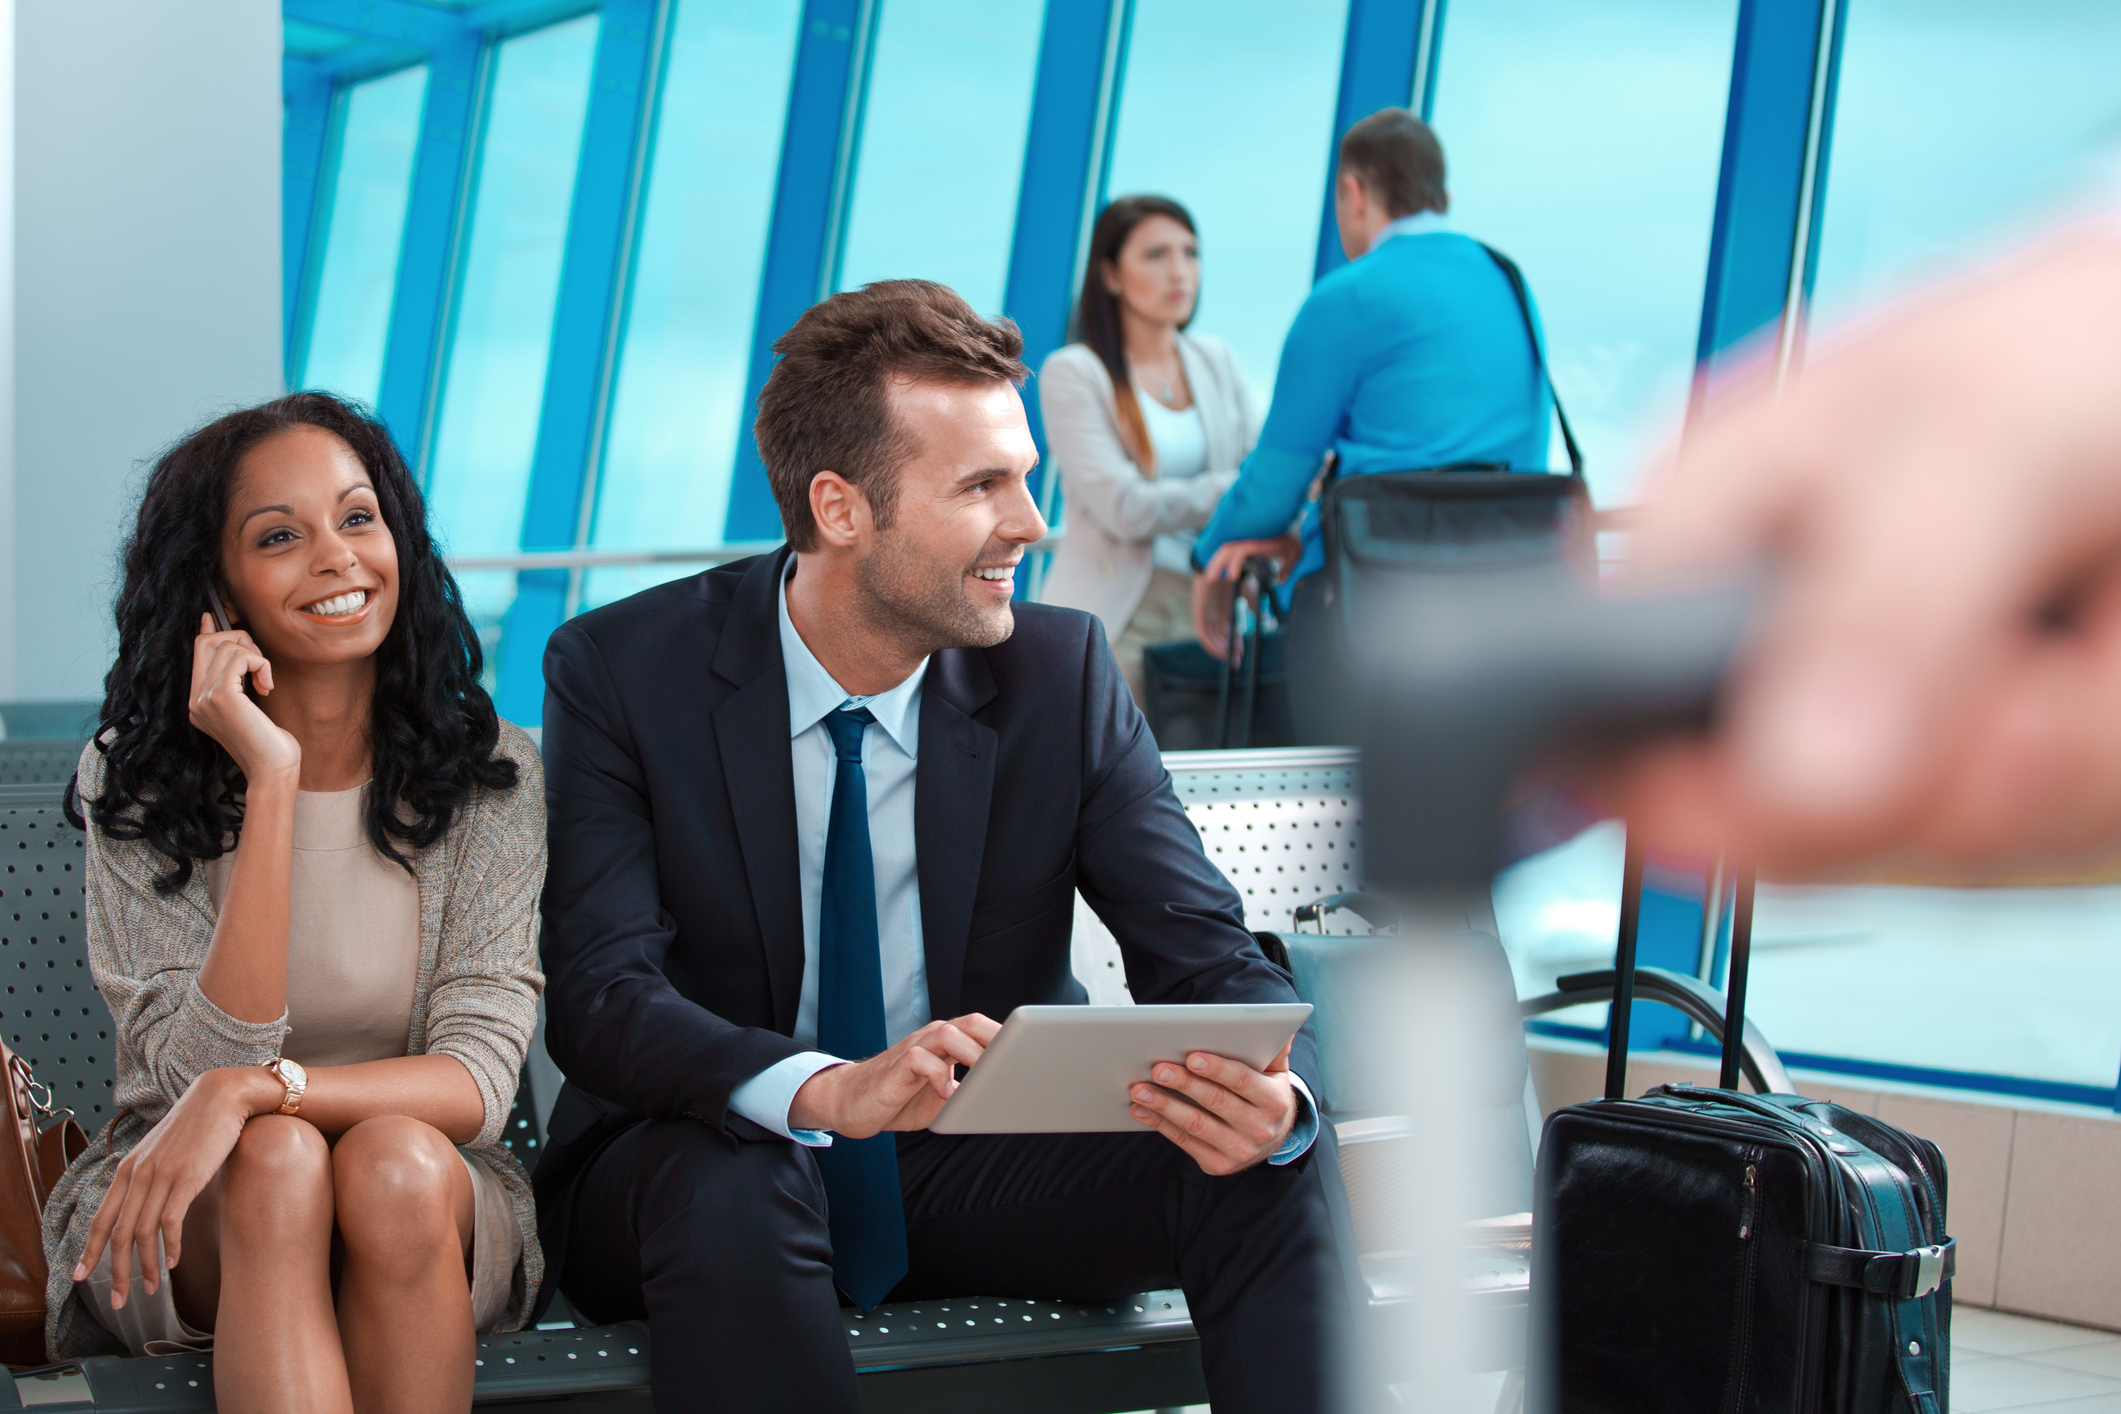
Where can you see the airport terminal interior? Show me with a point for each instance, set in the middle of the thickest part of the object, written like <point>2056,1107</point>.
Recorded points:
<point>551,242</point>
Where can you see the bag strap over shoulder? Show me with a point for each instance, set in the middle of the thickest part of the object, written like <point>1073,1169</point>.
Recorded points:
<point>1539,360</point>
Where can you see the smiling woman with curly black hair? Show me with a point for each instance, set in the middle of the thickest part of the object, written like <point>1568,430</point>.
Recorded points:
<point>314,857</point>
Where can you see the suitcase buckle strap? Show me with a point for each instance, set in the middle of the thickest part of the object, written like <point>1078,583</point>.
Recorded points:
<point>1903,1275</point>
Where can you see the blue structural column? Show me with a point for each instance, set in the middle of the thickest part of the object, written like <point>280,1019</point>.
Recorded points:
<point>585,329</point>
<point>305,150</point>
<point>434,209</point>
<point>1065,151</point>
<point>453,48</point>
<point>821,100</point>
<point>1390,44</point>
<point>1773,180</point>
<point>1760,260</point>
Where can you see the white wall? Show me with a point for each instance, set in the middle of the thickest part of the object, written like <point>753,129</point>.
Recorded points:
<point>143,138</point>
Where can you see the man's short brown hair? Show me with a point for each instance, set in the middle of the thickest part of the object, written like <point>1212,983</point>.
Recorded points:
<point>826,405</point>
<point>1396,155</point>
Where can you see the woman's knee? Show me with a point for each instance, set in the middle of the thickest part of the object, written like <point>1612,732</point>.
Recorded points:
<point>275,1183</point>
<point>281,1151</point>
<point>396,1181</point>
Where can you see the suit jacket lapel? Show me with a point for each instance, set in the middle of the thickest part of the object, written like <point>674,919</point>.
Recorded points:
<point>953,786</point>
<point>751,733</point>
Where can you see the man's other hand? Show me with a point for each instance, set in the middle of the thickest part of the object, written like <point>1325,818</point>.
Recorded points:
<point>1224,1113</point>
<point>901,1088</point>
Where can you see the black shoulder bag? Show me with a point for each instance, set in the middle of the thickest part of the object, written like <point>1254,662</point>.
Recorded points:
<point>1452,519</point>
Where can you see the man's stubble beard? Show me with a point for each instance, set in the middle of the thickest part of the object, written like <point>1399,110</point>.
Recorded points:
<point>922,603</point>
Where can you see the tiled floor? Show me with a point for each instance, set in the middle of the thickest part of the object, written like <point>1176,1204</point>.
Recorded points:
<point>2016,1365</point>
<point>2004,1364</point>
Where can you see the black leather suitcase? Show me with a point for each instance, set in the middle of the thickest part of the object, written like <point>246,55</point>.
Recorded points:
<point>1702,1251</point>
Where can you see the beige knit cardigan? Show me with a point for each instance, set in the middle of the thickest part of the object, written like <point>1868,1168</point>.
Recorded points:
<point>475,998</point>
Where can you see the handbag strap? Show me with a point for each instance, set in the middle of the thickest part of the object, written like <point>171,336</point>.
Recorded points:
<point>1539,361</point>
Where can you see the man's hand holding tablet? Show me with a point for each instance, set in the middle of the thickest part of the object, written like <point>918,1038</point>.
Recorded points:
<point>1213,1078</point>
<point>902,1088</point>
<point>1224,1113</point>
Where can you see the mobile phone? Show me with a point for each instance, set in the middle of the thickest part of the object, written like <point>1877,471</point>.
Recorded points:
<point>213,601</point>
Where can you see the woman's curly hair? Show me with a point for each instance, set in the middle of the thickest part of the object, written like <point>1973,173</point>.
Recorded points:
<point>432,727</point>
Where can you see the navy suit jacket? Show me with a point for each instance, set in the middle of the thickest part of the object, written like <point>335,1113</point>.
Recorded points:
<point>673,918</point>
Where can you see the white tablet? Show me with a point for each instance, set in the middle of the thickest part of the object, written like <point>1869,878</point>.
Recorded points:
<point>1067,1069</point>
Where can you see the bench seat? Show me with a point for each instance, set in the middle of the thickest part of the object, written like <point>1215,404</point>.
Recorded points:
<point>1040,1357</point>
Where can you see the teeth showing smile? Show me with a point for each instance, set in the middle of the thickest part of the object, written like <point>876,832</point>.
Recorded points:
<point>998,574</point>
<point>349,602</point>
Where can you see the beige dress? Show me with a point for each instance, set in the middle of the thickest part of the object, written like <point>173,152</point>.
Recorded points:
<point>352,968</point>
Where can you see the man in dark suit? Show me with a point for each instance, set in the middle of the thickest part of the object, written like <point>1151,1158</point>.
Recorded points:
<point>804,806</point>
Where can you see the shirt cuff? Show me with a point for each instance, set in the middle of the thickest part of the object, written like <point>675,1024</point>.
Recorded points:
<point>1302,1134</point>
<point>765,1098</point>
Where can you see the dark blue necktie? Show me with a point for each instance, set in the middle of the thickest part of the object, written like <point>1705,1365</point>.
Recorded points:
<point>861,1175</point>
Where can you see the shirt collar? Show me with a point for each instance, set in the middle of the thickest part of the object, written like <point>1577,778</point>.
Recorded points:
<point>812,693</point>
<point>1420,223</point>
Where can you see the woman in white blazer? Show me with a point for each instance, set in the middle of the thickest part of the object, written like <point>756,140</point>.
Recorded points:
<point>1146,425</point>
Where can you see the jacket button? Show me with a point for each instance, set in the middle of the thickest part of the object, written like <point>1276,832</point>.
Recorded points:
<point>1105,570</point>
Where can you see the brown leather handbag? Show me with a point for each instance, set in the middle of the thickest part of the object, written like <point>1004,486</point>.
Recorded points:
<point>39,1144</point>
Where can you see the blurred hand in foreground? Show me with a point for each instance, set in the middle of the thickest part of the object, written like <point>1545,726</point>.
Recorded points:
<point>1937,501</point>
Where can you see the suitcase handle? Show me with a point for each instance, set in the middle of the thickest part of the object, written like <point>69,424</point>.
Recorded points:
<point>1616,1057</point>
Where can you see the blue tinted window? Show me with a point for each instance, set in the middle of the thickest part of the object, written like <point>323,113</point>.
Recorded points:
<point>1584,141</point>
<point>679,401</point>
<point>942,148</point>
<point>495,379</point>
<point>1227,107</point>
<point>1956,124</point>
<point>350,311</point>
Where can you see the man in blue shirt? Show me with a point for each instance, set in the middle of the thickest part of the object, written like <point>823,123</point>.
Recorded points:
<point>1413,355</point>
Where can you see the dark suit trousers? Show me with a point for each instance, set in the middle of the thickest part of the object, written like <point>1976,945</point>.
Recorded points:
<point>722,1245</point>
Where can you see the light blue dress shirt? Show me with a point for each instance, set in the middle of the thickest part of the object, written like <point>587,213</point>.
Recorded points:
<point>889,757</point>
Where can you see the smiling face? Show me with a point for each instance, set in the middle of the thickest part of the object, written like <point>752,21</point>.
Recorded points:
<point>1157,274</point>
<point>308,567</point>
<point>943,572</point>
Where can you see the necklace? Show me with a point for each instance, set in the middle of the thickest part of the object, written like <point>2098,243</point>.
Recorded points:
<point>1164,393</point>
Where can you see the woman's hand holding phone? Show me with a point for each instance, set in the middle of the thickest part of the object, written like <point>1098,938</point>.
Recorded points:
<point>221,660</point>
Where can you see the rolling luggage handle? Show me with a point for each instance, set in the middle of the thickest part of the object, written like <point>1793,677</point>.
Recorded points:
<point>1616,1058</point>
<point>1260,574</point>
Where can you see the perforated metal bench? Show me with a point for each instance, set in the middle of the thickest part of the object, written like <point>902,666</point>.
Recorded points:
<point>38,761</point>
<point>1039,1357</point>
<point>1283,825</point>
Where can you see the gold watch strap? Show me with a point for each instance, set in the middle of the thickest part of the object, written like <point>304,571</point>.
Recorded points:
<point>295,1078</point>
